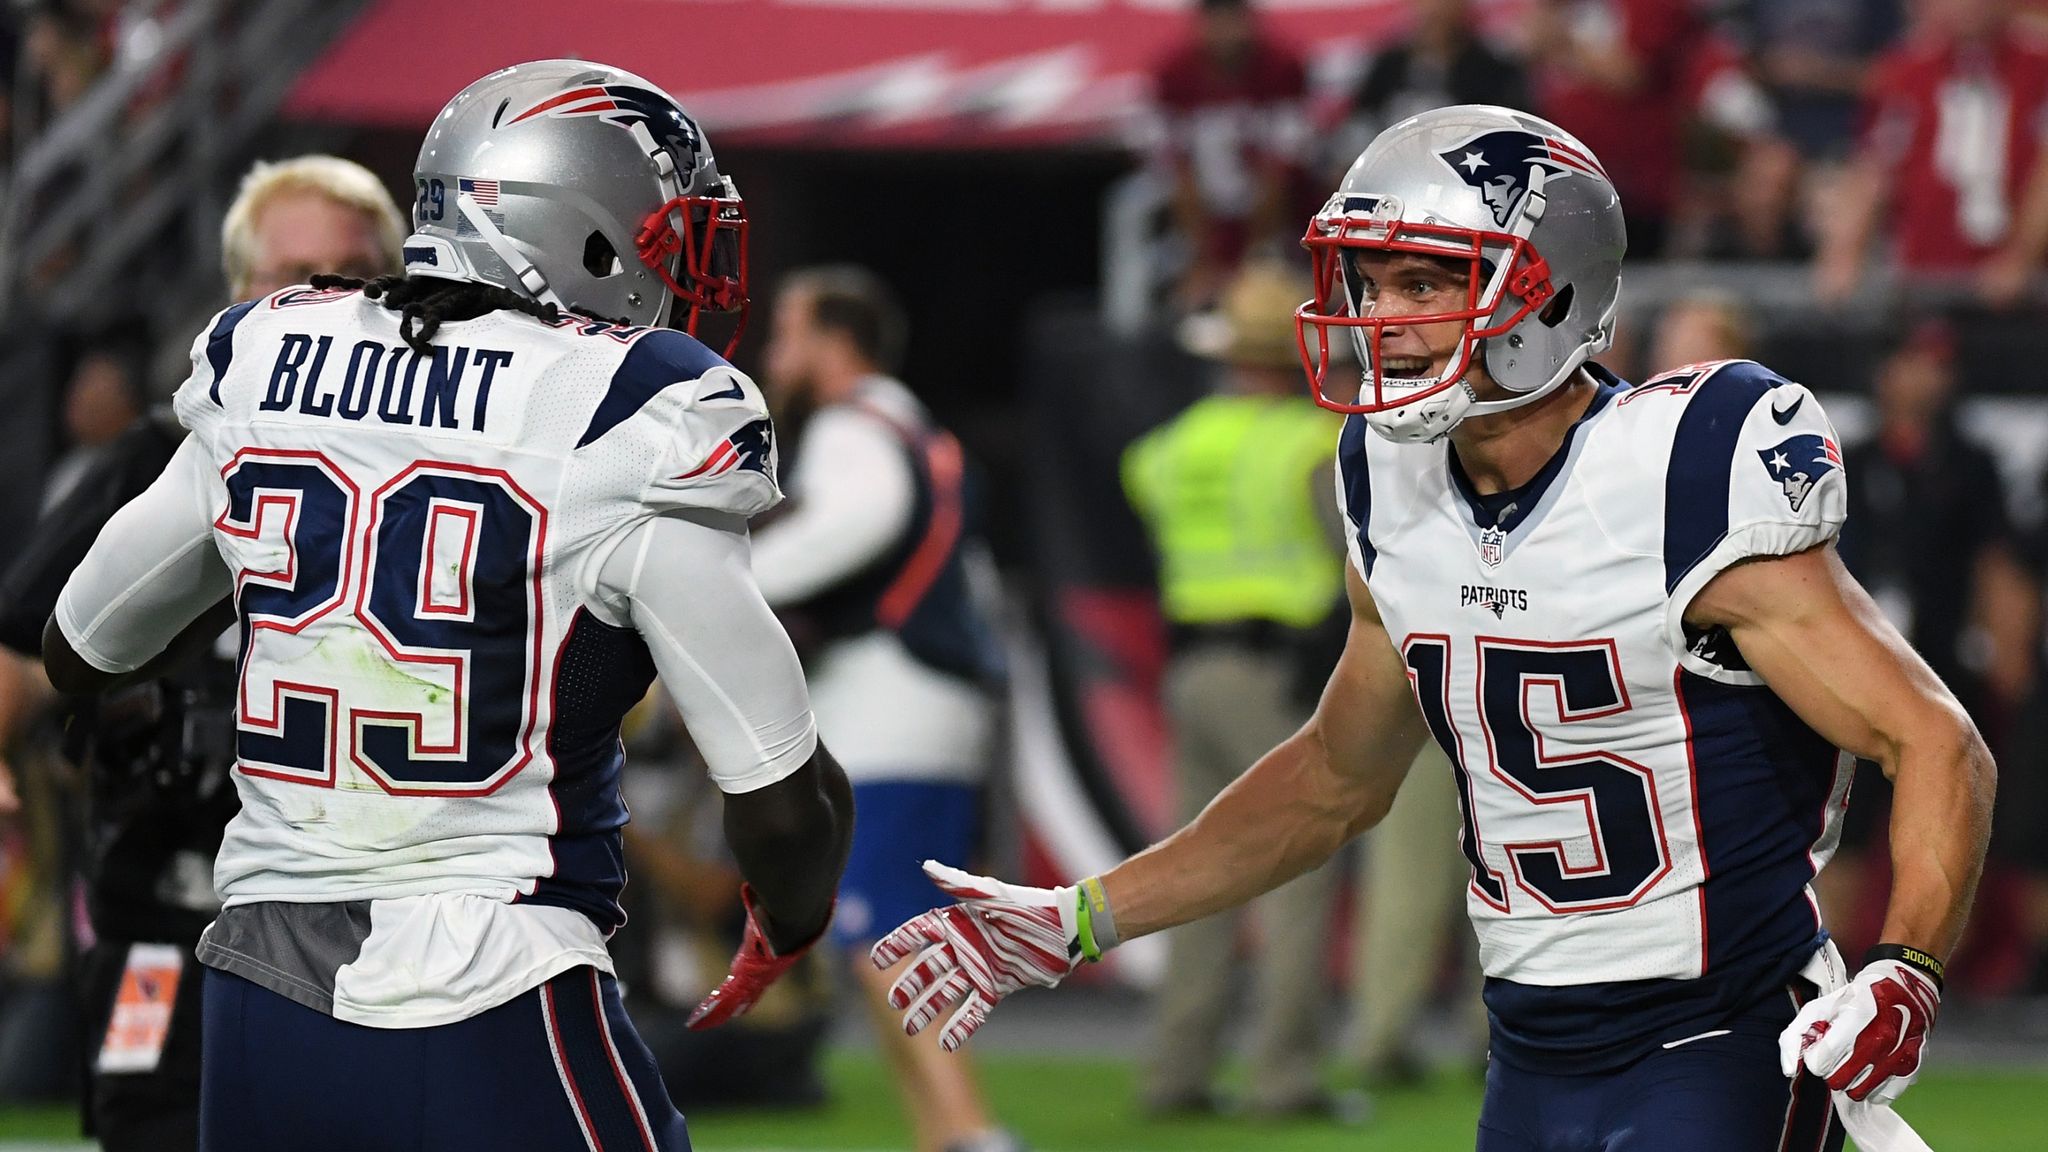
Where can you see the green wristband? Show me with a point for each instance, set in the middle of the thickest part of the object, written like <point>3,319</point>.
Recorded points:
<point>1096,926</point>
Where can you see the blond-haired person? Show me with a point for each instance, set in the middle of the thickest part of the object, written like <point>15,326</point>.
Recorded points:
<point>156,753</point>
<point>295,218</point>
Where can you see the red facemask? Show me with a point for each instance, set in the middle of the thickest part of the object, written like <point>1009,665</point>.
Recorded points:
<point>1499,267</point>
<point>712,274</point>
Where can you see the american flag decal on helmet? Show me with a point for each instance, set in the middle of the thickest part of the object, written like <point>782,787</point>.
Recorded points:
<point>484,192</point>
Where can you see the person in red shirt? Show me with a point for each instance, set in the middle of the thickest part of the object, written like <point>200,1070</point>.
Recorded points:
<point>1615,73</point>
<point>1232,129</point>
<point>1954,123</point>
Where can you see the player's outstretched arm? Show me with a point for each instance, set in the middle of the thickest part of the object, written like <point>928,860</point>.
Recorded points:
<point>1297,805</point>
<point>1805,625</point>
<point>1288,813</point>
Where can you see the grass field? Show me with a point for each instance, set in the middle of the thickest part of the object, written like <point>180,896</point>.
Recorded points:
<point>1070,1105</point>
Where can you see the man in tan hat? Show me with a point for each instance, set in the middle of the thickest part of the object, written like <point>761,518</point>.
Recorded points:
<point>1237,497</point>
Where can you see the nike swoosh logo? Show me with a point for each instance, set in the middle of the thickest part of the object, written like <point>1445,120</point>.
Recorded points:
<point>1785,417</point>
<point>1703,1035</point>
<point>733,392</point>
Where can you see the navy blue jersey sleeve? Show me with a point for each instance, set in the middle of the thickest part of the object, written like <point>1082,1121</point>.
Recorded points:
<point>1755,470</point>
<point>720,449</point>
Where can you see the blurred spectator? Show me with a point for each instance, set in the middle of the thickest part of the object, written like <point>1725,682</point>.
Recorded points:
<point>1411,919</point>
<point>64,53</point>
<point>1950,160</point>
<point>1232,132</point>
<point>1630,78</point>
<point>868,563</point>
<point>1814,58</point>
<point>157,752</point>
<point>1927,536</point>
<point>307,215</point>
<point>1441,61</point>
<point>102,398</point>
<point>1697,328</point>
<point>1611,73</point>
<point>1236,495</point>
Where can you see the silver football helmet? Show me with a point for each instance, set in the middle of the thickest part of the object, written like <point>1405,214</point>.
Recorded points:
<point>583,186</point>
<point>1533,213</point>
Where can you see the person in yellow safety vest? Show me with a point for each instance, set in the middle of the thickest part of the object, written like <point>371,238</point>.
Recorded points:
<point>1237,495</point>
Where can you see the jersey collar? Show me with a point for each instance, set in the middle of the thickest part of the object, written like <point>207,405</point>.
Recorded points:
<point>1508,516</point>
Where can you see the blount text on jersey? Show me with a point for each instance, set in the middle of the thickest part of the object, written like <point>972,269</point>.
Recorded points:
<point>385,380</point>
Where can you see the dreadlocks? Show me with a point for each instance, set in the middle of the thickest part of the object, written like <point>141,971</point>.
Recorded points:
<point>425,302</point>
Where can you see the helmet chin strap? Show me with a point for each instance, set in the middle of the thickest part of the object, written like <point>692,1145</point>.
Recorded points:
<point>529,277</point>
<point>1569,369</point>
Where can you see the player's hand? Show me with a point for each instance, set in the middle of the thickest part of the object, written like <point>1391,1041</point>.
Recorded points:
<point>998,939</point>
<point>1865,1038</point>
<point>754,967</point>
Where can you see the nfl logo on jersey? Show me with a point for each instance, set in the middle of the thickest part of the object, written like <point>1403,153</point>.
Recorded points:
<point>1492,547</point>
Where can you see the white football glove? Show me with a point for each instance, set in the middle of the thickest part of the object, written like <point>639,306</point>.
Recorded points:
<point>1865,1038</point>
<point>998,939</point>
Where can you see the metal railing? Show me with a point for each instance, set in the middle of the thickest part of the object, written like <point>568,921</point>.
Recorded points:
<point>115,207</point>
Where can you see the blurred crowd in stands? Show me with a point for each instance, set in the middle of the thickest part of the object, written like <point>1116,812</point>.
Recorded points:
<point>1734,129</point>
<point>50,53</point>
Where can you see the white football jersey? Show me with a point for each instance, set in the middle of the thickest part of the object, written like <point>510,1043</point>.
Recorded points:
<point>433,672</point>
<point>1641,814</point>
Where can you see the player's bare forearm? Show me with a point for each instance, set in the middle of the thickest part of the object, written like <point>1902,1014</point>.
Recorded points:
<point>1943,782</point>
<point>1283,817</point>
<point>1294,807</point>
<point>1824,647</point>
<point>790,840</point>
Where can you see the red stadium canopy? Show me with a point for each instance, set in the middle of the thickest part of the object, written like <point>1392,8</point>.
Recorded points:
<point>827,73</point>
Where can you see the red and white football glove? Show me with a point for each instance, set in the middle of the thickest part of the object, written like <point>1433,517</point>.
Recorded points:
<point>998,939</point>
<point>1865,1038</point>
<point>754,967</point>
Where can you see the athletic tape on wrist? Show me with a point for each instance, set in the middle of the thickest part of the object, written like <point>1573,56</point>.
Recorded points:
<point>1912,958</point>
<point>1096,922</point>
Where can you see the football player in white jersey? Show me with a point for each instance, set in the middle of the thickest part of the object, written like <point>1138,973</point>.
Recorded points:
<point>1620,613</point>
<point>466,515</point>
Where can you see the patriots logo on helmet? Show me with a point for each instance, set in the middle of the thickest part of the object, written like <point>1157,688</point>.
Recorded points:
<point>626,105</point>
<point>1499,164</point>
<point>1798,462</point>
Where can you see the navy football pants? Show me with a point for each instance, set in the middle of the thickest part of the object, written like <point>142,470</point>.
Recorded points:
<point>1718,1093</point>
<point>557,1068</point>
